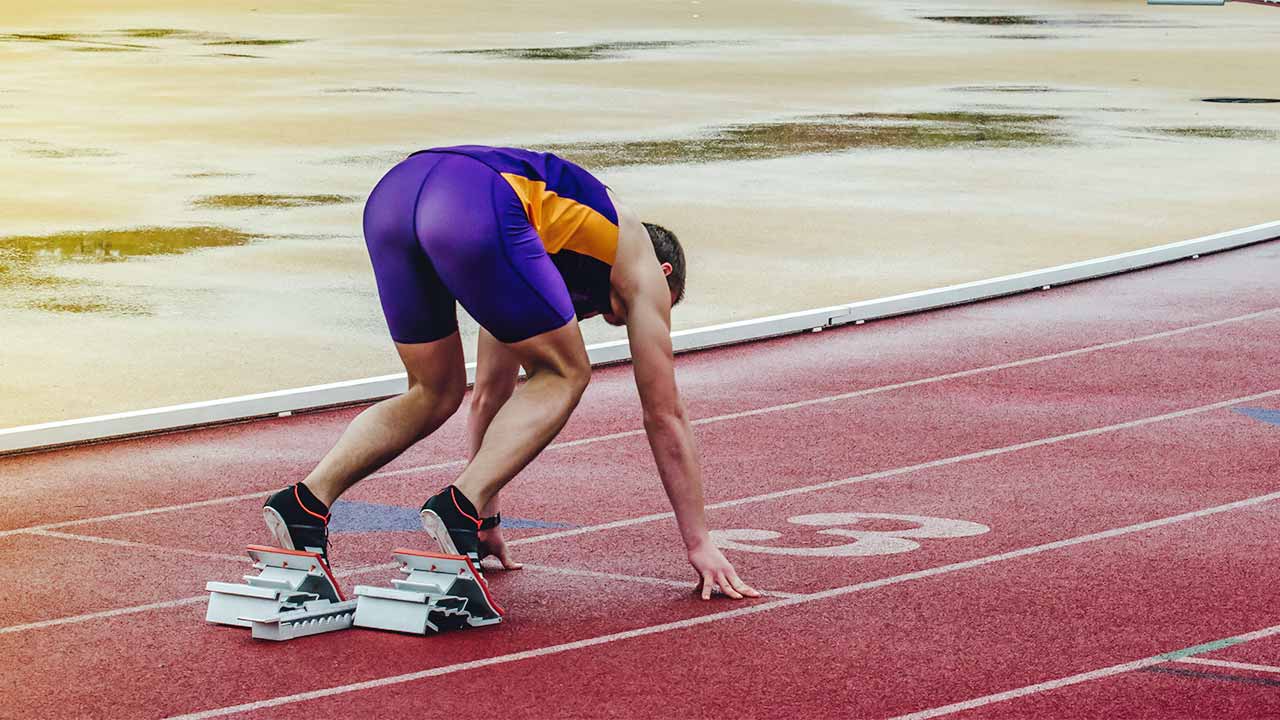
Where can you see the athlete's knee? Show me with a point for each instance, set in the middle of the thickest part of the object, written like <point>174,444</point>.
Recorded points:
<point>577,375</point>
<point>571,373</point>
<point>488,396</point>
<point>430,400</point>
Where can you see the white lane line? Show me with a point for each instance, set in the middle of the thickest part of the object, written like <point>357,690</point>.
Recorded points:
<point>845,481</point>
<point>641,579</point>
<point>703,421</point>
<point>743,611</point>
<point>116,612</point>
<point>195,600</point>
<point>164,549</point>
<point>1175,656</point>
<point>893,472</point>
<point>1229,664</point>
<point>136,513</point>
<point>349,572</point>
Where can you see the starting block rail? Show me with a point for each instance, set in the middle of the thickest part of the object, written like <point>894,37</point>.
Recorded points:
<point>295,595</point>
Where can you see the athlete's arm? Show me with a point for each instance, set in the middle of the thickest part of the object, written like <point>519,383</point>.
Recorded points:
<point>640,283</point>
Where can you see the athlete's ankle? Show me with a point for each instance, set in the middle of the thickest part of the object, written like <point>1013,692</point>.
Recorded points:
<point>310,500</point>
<point>316,495</point>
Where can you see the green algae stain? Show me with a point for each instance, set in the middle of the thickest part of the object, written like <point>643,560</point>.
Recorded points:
<point>251,42</point>
<point>158,33</point>
<point>114,40</point>
<point>114,245</point>
<point>1219,132</point>
<point>988,19</point>
<point>56,153</point>
<point>28,263</point>
<point>246,202</point>
<point>86,305</point>
<point>212,174</point>
<point>595,51</point>
<point>92,41</point>
<point>820,134</point>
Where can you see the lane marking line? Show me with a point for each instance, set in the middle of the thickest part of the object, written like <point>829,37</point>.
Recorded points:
<point>116,612</point>
<point>1229,664</point>
<point>642,579</point>
<point>139,545</point>
<point>894,472</point>
<point>845,481</point>
<point>1175,656</point>
<point>42,624</point>
<point>701,421</point>
<point>349,572</point>
<point>758,608</point>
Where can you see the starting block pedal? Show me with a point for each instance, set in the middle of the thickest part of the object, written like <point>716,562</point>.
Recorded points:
<point>294,595</point>
<point>440,592</point>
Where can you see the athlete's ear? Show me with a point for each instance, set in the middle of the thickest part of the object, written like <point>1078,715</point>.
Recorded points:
<point>666,268</point>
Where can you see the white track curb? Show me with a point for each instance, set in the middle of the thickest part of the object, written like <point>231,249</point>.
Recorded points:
<point>173,417</point>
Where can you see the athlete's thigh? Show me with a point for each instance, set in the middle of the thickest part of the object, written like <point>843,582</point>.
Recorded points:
<point>560,351</point>
<point>418,306</point>
<point>497,366</point>
<point>438,366</point>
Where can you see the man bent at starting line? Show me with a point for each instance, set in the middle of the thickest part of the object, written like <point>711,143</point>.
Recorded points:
<point>529,244</point>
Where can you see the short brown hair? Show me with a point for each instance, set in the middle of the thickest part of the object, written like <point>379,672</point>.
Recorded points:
<point>668,249</point>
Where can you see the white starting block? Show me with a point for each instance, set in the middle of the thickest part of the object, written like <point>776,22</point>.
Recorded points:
<point>295,595</point>
<point>441,592</point>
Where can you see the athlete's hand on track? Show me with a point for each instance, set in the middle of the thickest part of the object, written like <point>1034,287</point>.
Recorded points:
<point>713,569</point>
<point>491,543</point>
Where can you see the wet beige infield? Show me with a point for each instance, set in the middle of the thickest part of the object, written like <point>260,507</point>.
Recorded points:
<point>181,190</point>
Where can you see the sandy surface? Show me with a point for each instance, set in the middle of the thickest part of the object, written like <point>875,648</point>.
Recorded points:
<point>133,136</point>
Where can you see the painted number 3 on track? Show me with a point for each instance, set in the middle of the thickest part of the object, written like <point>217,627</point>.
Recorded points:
<point>865,542</point>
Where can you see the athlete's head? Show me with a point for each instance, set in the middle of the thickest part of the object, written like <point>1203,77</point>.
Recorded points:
<point>667,247</point>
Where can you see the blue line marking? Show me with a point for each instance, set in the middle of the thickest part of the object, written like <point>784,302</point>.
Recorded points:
<point>361,517</point>
<point>1263,414</point>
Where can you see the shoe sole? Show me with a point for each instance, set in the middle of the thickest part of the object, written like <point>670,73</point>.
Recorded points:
<point>277,528</point>
<point>434,525</point>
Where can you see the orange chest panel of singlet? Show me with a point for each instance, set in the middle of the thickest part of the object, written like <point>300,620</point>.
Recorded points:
<point>565,224</point>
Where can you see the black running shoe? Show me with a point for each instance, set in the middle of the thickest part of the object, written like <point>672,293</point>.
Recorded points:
<point>452,521</point>
<point>298,520</point>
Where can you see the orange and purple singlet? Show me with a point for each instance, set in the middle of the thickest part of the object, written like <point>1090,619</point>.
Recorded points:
<point>524,240</point>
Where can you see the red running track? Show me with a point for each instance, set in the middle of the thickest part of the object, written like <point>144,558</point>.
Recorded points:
<point>1096,468</point>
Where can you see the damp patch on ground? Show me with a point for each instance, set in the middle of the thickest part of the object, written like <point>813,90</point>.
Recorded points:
<point>380,90</point>
<point>87,305</point>
<point>29,263</point>
<point>1218,132</point>
<point>51,152</point>
<point>595,51</point>
<point>988,19</point>
<point>212,174</point>
<point>1093,21</point>
<point>251,202</point>
<point>129,39</point>
<point>257,42</point>
<point>1241,100</point>
<point>1008,89</point>
<point>821,134</point>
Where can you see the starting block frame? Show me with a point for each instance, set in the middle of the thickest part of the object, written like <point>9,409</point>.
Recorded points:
<point>440,592</point>
<point>296,595</point>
